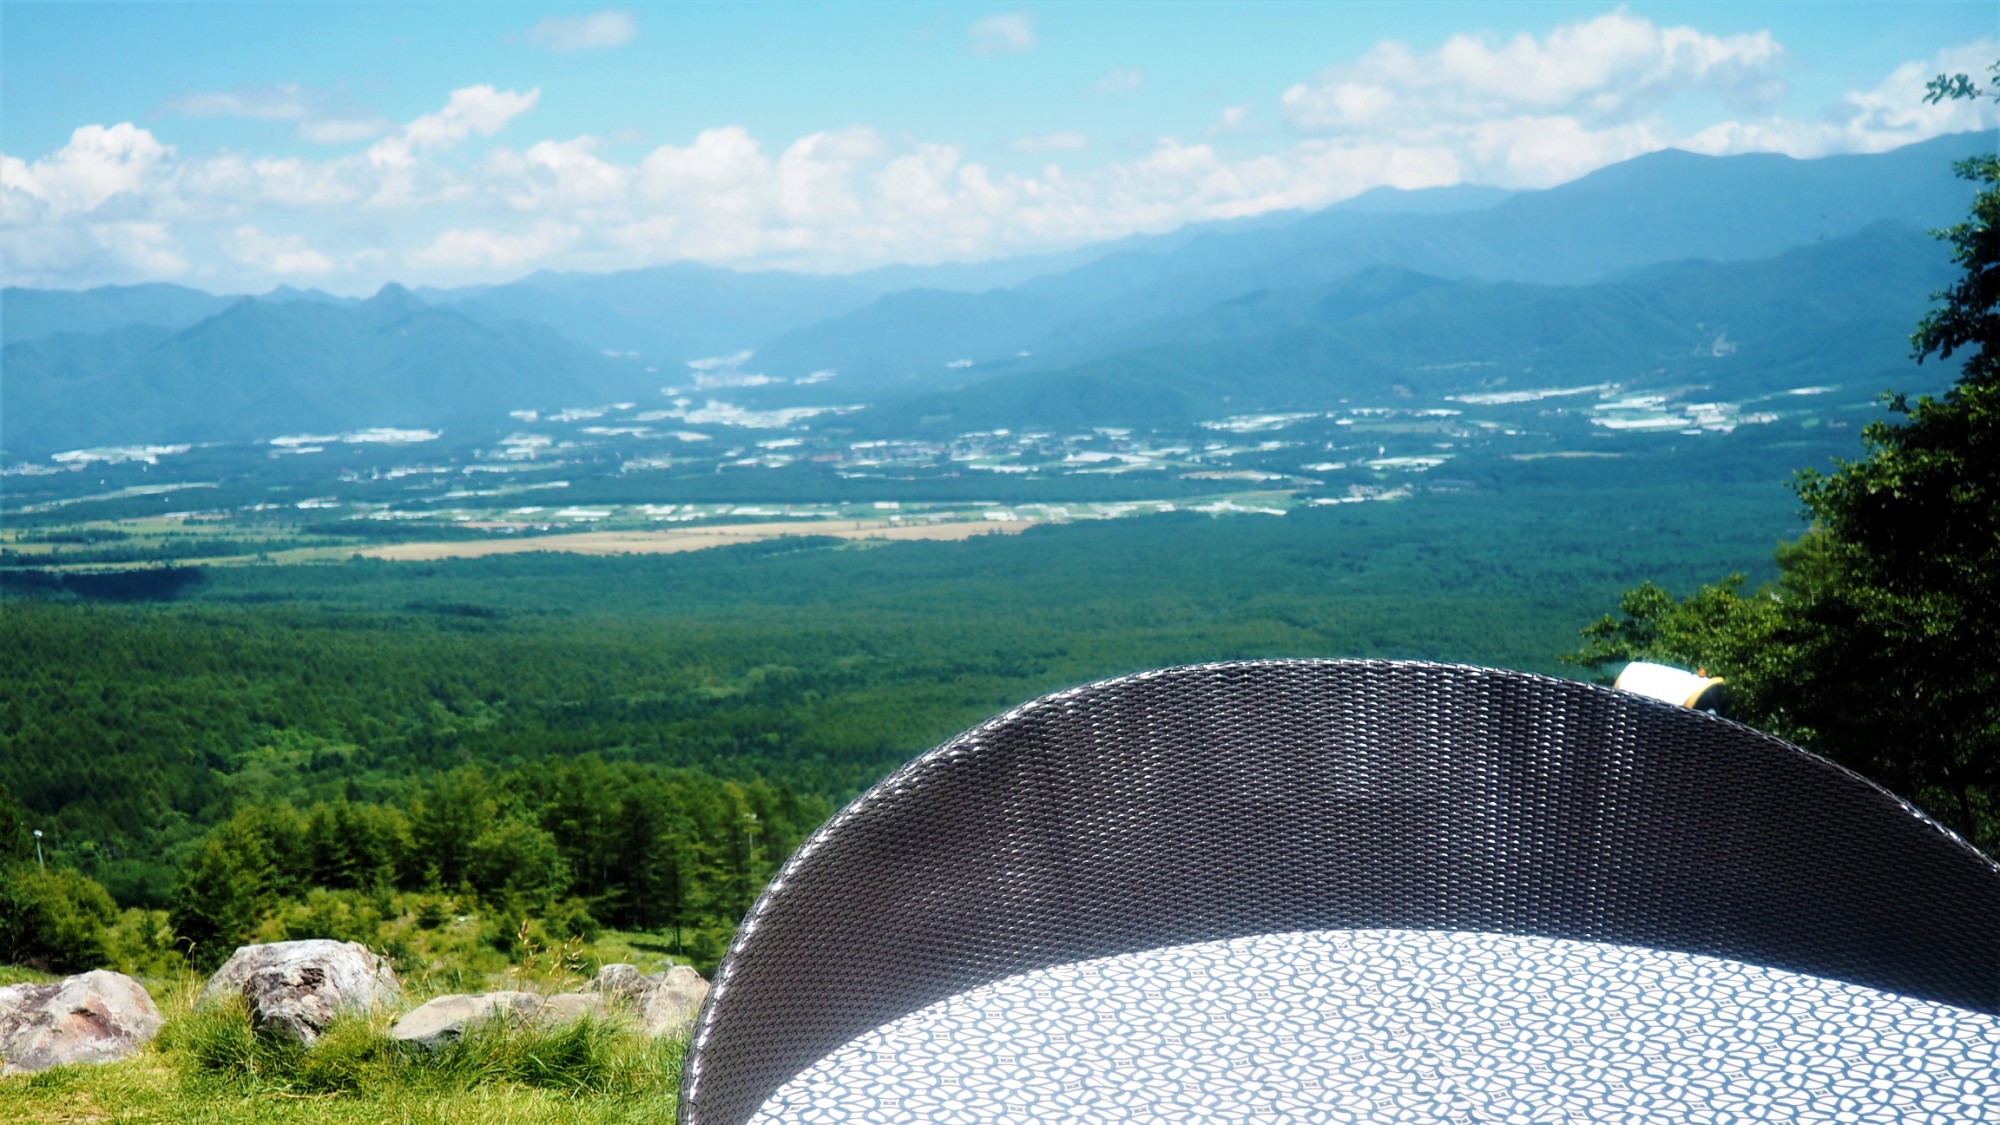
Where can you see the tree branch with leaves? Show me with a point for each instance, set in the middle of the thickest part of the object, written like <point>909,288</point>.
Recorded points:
<point>1879,645</point>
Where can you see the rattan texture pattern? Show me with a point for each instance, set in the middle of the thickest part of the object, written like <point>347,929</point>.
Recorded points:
<point>1228,800</point>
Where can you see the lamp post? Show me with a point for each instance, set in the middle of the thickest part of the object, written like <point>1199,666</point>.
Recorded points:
<point>749,825</point>
<point>38,851</point>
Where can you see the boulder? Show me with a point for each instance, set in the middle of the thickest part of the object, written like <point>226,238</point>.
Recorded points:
<point>665,1002</point>
<point>447,1017</point>
<point>93,1017</point>
<point>569,1007</point>
<point>671,1001</point>
<point>619,983</point>
<point>295,988</point>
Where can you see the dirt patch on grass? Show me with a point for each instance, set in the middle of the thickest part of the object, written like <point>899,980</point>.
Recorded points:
<point>685,539</point>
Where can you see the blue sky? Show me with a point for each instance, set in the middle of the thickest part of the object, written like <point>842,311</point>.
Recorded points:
<point>239,146</point>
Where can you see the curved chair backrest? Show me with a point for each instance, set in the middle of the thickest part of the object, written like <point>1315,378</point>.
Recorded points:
<point>1219,801</point>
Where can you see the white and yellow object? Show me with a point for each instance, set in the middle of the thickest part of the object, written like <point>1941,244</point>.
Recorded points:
<point>1673,685</point>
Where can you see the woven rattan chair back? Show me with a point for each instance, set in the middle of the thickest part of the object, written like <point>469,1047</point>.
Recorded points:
<point>1227,800</point>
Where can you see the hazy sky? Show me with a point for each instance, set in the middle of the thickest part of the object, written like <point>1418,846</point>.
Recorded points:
<point>239,146</point>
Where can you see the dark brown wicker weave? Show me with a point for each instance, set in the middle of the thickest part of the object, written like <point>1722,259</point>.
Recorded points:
<point>1228,800</point>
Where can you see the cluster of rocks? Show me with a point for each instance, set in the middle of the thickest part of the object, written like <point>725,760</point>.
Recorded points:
<point>296,989</point>
<point>661,1003</point>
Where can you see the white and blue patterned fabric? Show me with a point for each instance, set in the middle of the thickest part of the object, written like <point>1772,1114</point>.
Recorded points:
<point>1399,1026</point>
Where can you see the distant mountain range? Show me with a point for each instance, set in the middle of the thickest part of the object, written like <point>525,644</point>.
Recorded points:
<point>1750,269</point>
<point>1833,312</point>
<point>1664,207</point>
<point>261,369</point>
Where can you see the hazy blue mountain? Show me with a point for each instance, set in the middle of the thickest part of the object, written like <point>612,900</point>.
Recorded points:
<point>1424,201</point>
<point>1663,207</point>
<point>260,369</point>
<point>1834,312</point>
<point>285,294</point>
<point>29,314</point>
<point>666,314</point>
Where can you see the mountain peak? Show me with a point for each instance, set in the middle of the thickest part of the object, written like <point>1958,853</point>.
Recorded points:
<point>392,295</point>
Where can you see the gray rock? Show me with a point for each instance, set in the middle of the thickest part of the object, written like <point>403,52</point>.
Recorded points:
<point>619,983</point>
<point>447,1017</point>
<point>569,1007</point>
<point>296,988</point>
<point>93,1017</point>
<point>671,1000</point>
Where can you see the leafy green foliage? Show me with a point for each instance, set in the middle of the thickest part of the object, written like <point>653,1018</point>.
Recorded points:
<point>222,893</point>
<point>1880,646</point>
<point>637,743</point>
<point>53,920</point>
<point>16,839</point>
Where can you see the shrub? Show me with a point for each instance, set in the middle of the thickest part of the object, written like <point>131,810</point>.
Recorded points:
<point>53,920</point>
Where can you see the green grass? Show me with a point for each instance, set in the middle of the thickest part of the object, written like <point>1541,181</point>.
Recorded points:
<point>211,1065</point>
<point>208,1065</point>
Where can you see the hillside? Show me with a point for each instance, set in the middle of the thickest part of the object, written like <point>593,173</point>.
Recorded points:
<point>32,314</point>
<point>1664,207</point>
<point>260,369</point>
<point>1833,313</point>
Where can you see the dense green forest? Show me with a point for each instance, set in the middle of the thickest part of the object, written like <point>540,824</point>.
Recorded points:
<point>169,727</point>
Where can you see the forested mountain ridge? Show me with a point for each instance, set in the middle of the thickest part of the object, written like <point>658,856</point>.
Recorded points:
<point>31,314</point>
<point>295,360</point>
<point>1828,313</point>
<point>1664,207</point>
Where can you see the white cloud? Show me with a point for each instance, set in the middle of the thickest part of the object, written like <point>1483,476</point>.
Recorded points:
<point>1009,33</point>
<point>1235,121</point>
<point>97,165</point>
<point>722,171</point>
<point>473,109</point>
<point>1887,116</point>
<point>444,199</point>
<point>608,28</point>
<point>284,102</point>
<point>1528,112</point>
<point>283,255</point>
<point>1120,80</point>
<point>1602,71</point>
<point>1051,142</point>
<point>561,173</point>
<point>460,248</point>
<point>316,121</point>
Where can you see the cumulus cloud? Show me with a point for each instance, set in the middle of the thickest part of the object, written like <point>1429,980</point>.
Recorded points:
<point>461,248</point>
<point>1009,33</point>
<point>1235,121</point>
<point>608,28</point>
<point>98,165</point>
<point>283,255</point>
<point>1886,116</point>
<point>474,109</point>
<point>1529,112</point>
<point>1051,142</point>
<point>559,174</point>
<point>452,196</point>
<point>1603,71</point>
<point>1120,80</point>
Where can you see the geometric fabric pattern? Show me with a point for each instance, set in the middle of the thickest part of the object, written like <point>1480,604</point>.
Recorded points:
<point>1410,1026</point>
